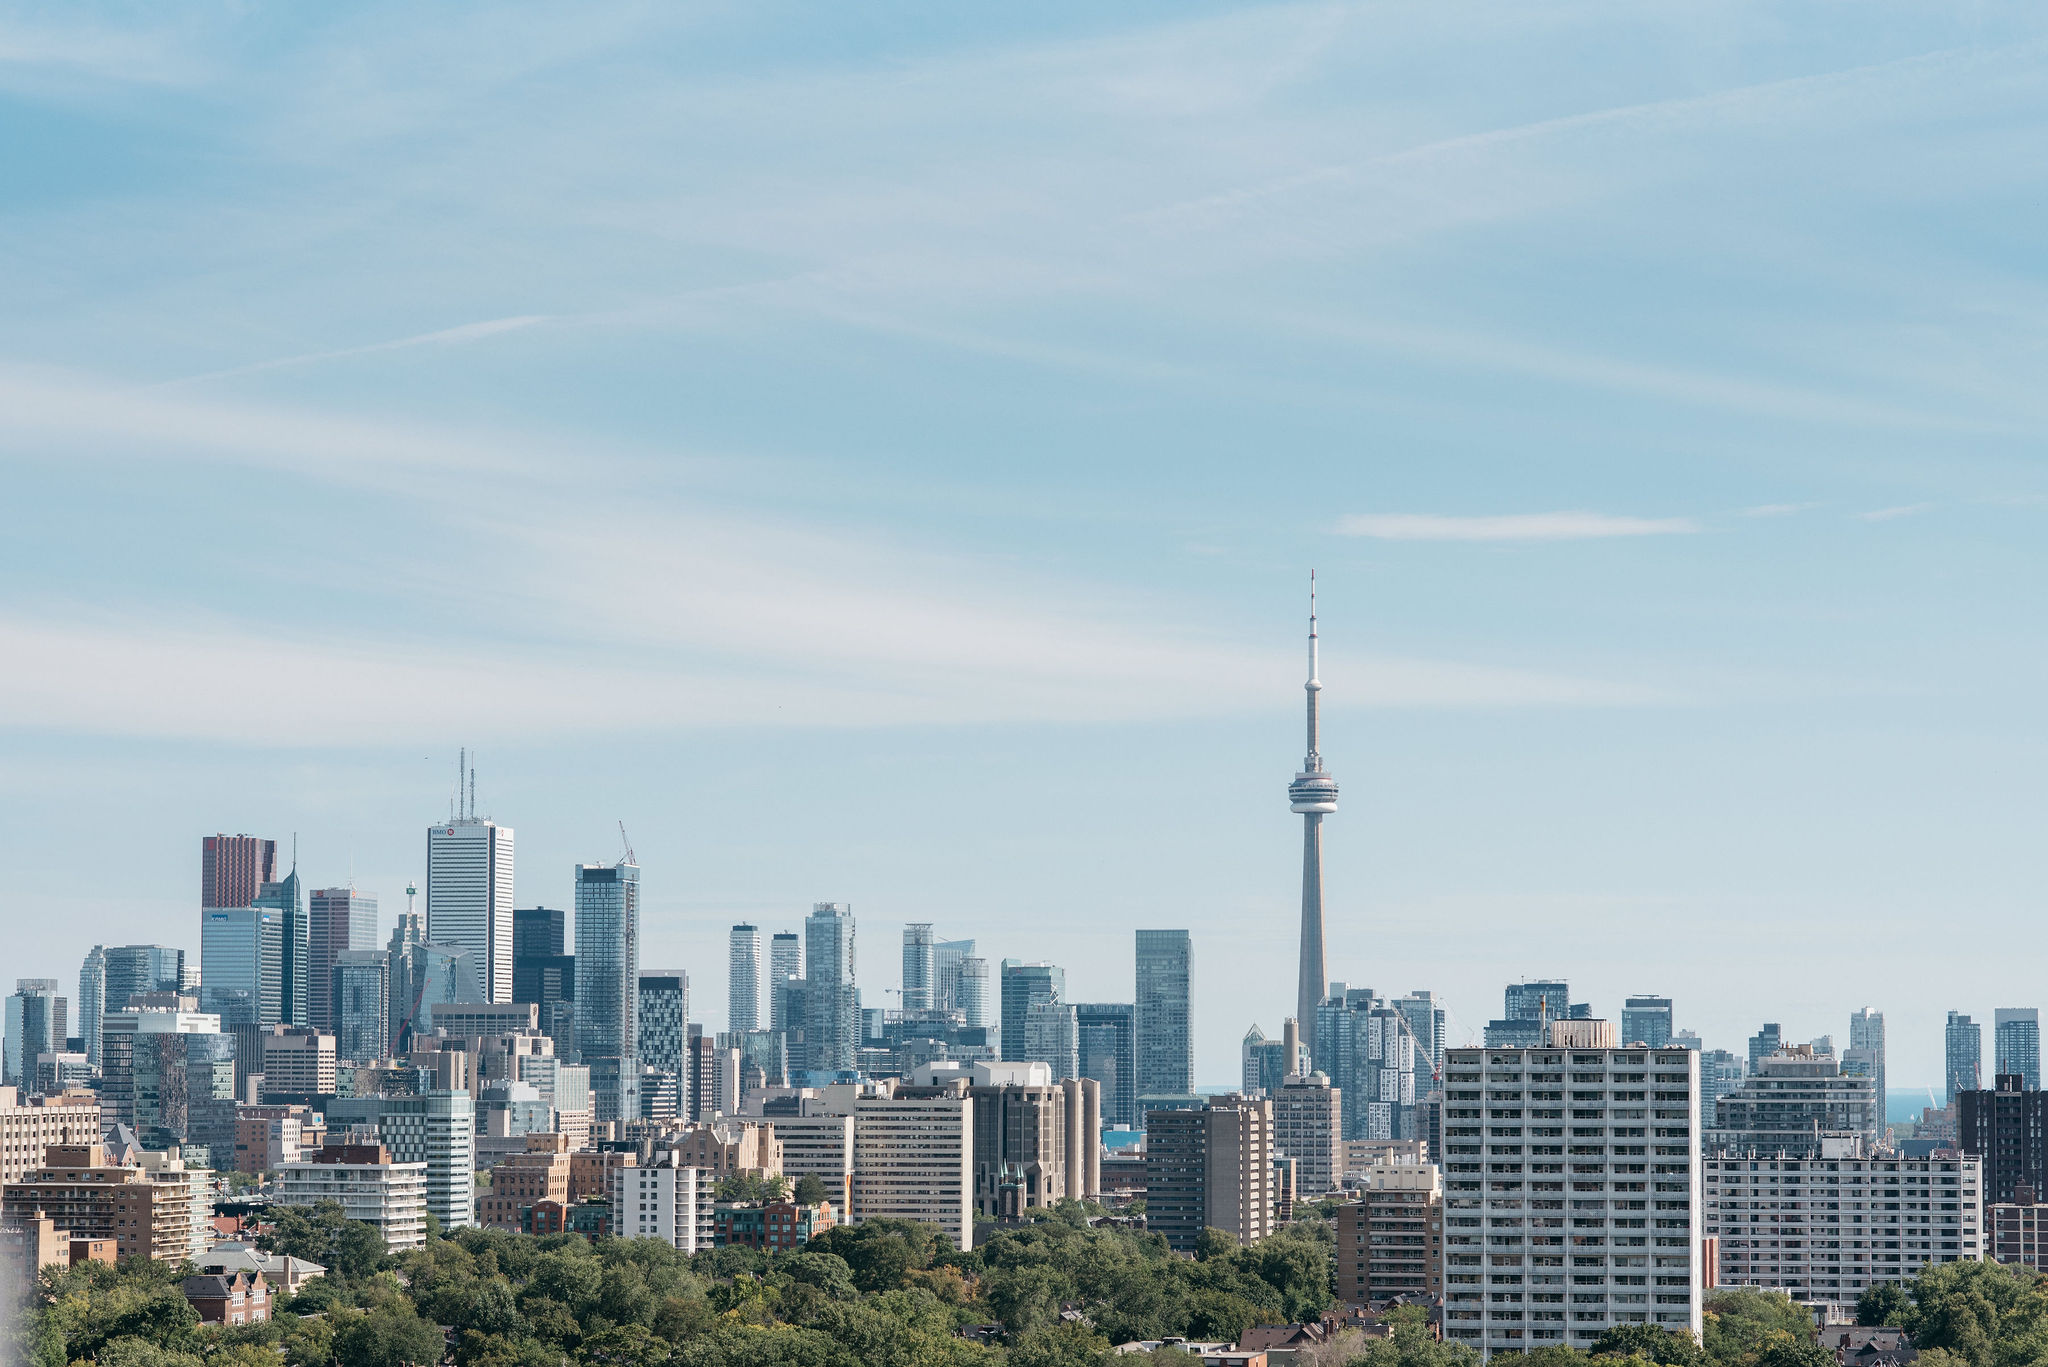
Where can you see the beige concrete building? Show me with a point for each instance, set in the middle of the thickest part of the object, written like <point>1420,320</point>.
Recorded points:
<point>1308,1126</point>
<point>298,1061</point>
<point>147,1213</point>
<point>1210,1168</point>
<point>913,1157</point>
<point>819,1146</point>
<point>30,1126</point>
<point>728,1147</point>
<point>1390,1241</point>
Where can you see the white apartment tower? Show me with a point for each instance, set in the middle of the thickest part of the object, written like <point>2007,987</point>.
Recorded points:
<point>1572,1194</point>
<point>743,987</point>
<point>469,897</point>
<point>665,1202</point>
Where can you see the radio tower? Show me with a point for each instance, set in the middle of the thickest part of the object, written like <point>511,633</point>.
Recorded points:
<point>1314,794</point>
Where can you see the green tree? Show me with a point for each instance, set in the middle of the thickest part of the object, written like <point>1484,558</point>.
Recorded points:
<point>1740,1324</point>
<point>1647,1341</point>
<point>389,1336</point>
<point>629,1345</point>
<point>1885,1303</point>
<point>809,1191</point>
<point>1987,1313</point>
<point>1062,1345</point>
<point>743,1186</point>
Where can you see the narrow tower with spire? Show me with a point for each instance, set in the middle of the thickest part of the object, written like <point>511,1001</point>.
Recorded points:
<point>1313,794</point>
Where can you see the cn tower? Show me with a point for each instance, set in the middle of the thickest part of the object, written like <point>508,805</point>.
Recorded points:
<point>1314,794</point>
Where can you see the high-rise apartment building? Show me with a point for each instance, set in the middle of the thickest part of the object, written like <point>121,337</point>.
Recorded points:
<point>2007,1128</point>
<point>148,1212</point>
<point>92,1003</point>
<point>1425,1017</point>
<point>971,994</point>
<point>241,964</point>
<point>1166,1042</point>
<point>832,1027</point>
<point>437,1128</point>
<point>920,968</point>
<point>298,1062</point>
<point>1051,1037</point>
<point>2016,1044</point>
<point>1368,1051</point>
<point>664,1024</point>
<point>1390,1241</point>
<point>368,1184</point>
<point>233,869</point>
<point>913,1157</point>
<point>785,966</point>
<point>1646,1020</point>
<point>1965,1057</point>
<point>1721,1072</point>
<point>1791,1099</point>
<point>1107,1045</point>
<point>469,896</point>
<point>1865,1055</point>
<point>1828,1225</point>
<point>1308,1127</point>
<point>946,958</point>
<point>666,1200</point>
<point>1571,1194</point>
<point>1024,986</point>
<point>338,921</point>
<point>1264,1065</point>
<point>359,998</point>
<point>1210,1167</point>
<point>36,1024</point>
<point>169,1075</point>
<point>743,984</point>
<point>1764,1043</point>
<point>608,984</point>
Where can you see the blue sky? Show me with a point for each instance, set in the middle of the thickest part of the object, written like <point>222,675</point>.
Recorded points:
<point>876,453</point>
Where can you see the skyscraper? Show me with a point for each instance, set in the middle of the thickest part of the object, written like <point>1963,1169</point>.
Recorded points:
<point>469,896</point>
<point>338,920</point>
<point>664,1024</point>
<point>1313,794</point>
<point>2016,1044</point>
<point>743,990</point>
<point>359,996</point>
<point>295,947</point>
<point>539,941</point>
<point>1052,1037</point>
<point>1025,984</point>
<point>1866,1032</point>
<point>233,869</point>
<point>141,968</point>
<point>35,1025</point>
<point>1166,1042</point>
<point>92,1003</point>
<point>919,970</point>
<point>785,964</point>
<point>608,985</point>
<point>1763,1044</point>
<point>1108,1053</point>
<point>1425,1018</point>
<point>831,1004</point>
<point>1965,1053</point>
<point>1646,1020</point>
<point>241,965</point>
<point>947,956</point>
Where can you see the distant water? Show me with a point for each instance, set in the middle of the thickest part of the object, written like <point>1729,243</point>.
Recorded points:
<point>1900,1105</point>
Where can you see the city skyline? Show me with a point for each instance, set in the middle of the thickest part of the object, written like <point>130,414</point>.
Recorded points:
<point>1651,390</point>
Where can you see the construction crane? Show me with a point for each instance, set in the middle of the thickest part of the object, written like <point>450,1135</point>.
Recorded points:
<point>631,858</point>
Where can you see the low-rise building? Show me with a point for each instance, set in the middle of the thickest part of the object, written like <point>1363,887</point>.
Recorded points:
<point>368,1185</point>
<point>1390,1241</point>
<point>773,1226</point>
<point>36,1243</point>
<point>524,1180</point>
<point>231,1298</point>
<point>281,1271</point>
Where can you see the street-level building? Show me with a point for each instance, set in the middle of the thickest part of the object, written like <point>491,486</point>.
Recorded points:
<point>1824,1226</point>
<point>1571,1193</point>
<point>773,1226</point>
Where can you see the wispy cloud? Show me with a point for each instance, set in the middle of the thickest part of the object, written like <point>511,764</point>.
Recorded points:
<point>1887,514</point>
<point>455,336</point>
<point>1777,509</point>
<point>1567,526</point>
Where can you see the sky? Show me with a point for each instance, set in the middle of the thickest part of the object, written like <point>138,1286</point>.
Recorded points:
<point>876,453</point>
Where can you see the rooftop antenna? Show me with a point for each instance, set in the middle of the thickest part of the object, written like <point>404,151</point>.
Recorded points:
<point>472,792</point>
<point>455,799</point>
<point>627,841</point>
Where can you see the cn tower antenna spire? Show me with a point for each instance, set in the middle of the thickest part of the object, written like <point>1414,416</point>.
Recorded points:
<point>1314,795</point>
